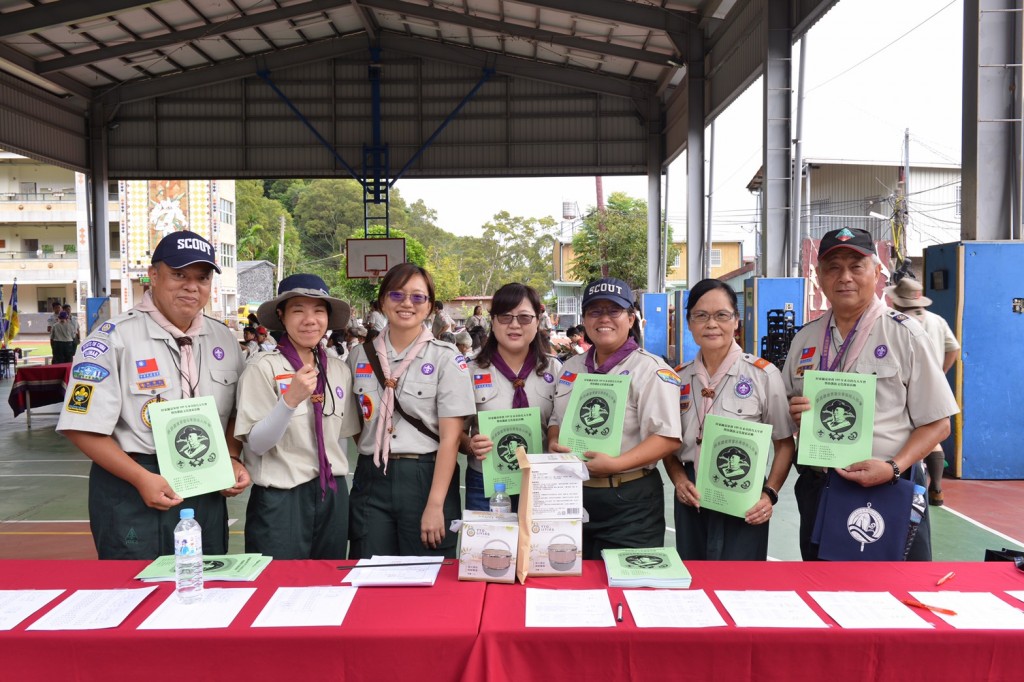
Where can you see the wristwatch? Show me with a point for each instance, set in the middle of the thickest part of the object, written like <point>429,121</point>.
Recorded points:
<point>773,496</point>
<point>895,471</point>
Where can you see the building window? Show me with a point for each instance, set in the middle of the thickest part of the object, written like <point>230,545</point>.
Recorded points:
<point>227,255</point>
<point>959,200</point>
<point>227,212</point>
<point>566,305</point>
<point>676,255</point>
<point>716,258</point>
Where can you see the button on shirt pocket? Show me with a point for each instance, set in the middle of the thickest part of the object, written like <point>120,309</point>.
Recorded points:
<point>748,409</point>
<point>419,398</point>
<point>484,396</point>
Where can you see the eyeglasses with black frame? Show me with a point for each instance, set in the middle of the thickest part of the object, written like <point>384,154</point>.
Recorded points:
<point>702,317</point>
<point>597,313</point>
<point>400,296</point>
<point>524,319</point>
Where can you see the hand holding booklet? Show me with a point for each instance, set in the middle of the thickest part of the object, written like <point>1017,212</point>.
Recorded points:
<point>653,567</point>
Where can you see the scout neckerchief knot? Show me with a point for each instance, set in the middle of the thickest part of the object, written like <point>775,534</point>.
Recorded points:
<point>710,386</point>
<point>292,356</point>
<point>614,359</point>
<point>519,399</point>
<point>855,340</point>
<point>187,368</point>
<point>384,420</point>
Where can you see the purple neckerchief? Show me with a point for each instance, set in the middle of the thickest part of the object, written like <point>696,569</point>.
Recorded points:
<point>826,345</point>
<point>292,356</point>
<point>615,358</point>
<point>519,399</point>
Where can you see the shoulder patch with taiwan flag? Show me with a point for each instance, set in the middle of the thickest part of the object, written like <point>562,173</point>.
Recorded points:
<point>482,380</point>
<point>669,377</point>
<point>283,381</point>
<point>363,370</point>
<point>567,378</point>
<point>684,397</point>
<point>807,355</point>
<point>460,362</point>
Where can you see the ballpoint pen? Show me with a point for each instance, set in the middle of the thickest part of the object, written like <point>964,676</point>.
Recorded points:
<point>919,605</point>
<point>618,613</point>
<point>946,578</point>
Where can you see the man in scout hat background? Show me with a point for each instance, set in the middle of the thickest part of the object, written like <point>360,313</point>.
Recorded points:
<point>164,348</point>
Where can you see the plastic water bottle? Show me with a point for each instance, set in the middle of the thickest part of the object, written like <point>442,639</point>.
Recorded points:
<point>188,558</point>
<point>500,501</point>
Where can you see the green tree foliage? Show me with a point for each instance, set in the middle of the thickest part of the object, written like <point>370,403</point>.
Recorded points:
<point>511,249</point>
<point>258,224</point>
<point>622,245</point>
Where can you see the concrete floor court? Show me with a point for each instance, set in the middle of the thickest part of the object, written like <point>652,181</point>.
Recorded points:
<point>44,484</point>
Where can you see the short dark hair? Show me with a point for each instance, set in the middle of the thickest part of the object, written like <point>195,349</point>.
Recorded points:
<point>399,275</point>
<point>506,298</point>
<point>704,286</point>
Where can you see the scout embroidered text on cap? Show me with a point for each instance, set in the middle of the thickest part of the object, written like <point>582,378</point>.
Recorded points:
<point>183,248</point>
<point>608,289</point>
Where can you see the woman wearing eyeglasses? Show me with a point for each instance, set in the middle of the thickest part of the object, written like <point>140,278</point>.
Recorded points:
<point>510,371</point>
<point>414,393</point>
<point>624,495</point>
<point>726,382</point>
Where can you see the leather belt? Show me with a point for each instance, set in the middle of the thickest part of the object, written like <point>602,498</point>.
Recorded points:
<point>427,457</point>
<point>615,480</point>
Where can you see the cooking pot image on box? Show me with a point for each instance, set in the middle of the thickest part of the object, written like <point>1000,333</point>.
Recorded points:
<point>496,558</point>
<point>562,555</point>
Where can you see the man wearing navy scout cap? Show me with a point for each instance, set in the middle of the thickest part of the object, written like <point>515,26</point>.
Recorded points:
<point>861,335</point>
<point>164,348</point>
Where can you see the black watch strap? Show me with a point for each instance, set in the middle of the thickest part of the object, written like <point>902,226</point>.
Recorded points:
<point>895,471</point>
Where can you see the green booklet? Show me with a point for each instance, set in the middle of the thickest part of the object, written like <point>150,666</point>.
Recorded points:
<point>190,446</point>
<point>837,431</point>
<point>651,567</point>
<point>593,419</point>
<point>509,430</point>
<point>733,457</point>
<point>227,567</point>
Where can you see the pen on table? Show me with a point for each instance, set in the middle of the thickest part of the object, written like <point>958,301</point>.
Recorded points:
<point>919,605</point>
<point>946,578</point>
<point>618,613</point>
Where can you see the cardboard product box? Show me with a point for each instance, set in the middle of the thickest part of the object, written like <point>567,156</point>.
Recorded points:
<point>487,549</point>
<point>550,515</point>
<point>555,547</point>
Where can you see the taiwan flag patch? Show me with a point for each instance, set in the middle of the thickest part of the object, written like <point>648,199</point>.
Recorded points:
<point>482,380</point>
<point>363,370</point>
<point>567,378</point>
<point>684,397</point>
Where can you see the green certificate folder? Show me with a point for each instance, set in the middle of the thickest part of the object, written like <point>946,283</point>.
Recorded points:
<point>733,457</point>
<point>509,430</point>
<point>190,446</point>
<point>593,419</point>
<point>837,431</point>
<point>227,567</point>
<point>650,567</point>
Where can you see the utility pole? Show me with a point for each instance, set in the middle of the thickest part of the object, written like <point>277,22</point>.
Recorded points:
<point>600,224</point>
<point>280,254</point>
<point>901,216</point>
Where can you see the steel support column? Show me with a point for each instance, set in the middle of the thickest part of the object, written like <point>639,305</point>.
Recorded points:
<point>655,157</point>
<point>777,135</point>
<point>695,94</point>
<point>99,221</point>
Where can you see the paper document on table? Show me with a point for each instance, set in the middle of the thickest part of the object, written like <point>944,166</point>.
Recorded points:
<point>1017,594</point>
<point>216,567</point>
<point>672,609</point>
<point>305,606</point>
<point>769,609</point>
<point>217,609</point>
<point>974,610</point>
<point>93,609</point>
<point>568,609</point>
<point>423,575</point>
<point>868,610</point>
<point>17,605</point>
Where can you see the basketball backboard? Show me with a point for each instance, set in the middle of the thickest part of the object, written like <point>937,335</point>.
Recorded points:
<point>371,258</point>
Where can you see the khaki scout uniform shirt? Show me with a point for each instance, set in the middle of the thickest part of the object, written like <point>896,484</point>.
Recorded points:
<point>752,390</point>
<point>294,459</point>
<point>435,385</point>
<point>493,391</point>
<point>651,405</point>
<point>130,362</point>
<point>911,389</point>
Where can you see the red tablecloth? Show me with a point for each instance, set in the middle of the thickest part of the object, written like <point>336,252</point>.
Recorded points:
<point>389,633</point>
<point>45,383</point>
<point>506,650</point>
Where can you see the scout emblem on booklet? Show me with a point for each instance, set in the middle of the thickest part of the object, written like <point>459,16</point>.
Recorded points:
<point>190,446</point>
<point>595,414</point>
<point>509,430</point>
<point>838,429</point>
<point>733,458</point>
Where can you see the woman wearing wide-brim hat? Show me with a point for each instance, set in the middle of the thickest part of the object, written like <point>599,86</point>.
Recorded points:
<point>295,415</point>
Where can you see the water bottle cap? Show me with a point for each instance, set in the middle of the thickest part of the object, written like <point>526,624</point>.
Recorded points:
<point>499,487</point>
<point>188,514</point>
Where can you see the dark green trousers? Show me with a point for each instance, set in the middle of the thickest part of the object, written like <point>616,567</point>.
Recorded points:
<point>631,515</point>
<point>300,523</point>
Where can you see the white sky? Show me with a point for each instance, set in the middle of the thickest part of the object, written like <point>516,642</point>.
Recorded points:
<point>876,68</point>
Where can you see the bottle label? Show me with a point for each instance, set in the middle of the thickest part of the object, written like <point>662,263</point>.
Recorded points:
<point>188,545</point>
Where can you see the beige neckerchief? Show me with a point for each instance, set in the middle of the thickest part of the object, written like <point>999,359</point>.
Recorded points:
<point>189,372</point>
<point>384,421</point>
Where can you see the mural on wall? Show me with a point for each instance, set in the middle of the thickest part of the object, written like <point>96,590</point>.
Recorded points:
<point>817,304</point>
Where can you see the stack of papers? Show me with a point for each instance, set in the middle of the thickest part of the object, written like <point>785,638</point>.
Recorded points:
<point>655,567</point>
<point>395,571</point>
<point>227,567</point>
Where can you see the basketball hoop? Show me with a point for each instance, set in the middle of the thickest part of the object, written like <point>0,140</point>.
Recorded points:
<point>374,276</point>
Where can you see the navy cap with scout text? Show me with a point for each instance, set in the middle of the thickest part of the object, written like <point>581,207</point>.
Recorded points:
<point>182,248</point>
<point>608,289</point>
<point>847,238</point>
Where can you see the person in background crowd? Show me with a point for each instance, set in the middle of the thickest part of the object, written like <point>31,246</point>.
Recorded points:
<point>295,414</point>
<point>464,342</point>
<point>263,338</point>
<point>51,323</point>
<point>405,492</point>
<point>249,345</point>
<point>442,321</point>
<point>913,402</point>
<point>544,322</point>
<point>375,321</point>
<point>73,319</point>
<point>476,319</point>
<point>479,335</point>
<point>63,339</point>
<point>726,382</point>
<point>253,321</point>
<point>162,349</point>
<point>908,297</point>
<point>336,345</point>
<point>354,335</point>
<point>511,371</point>
<point>447,337</point>
<point>624,494</point>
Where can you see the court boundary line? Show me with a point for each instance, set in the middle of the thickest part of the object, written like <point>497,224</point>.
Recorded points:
<point>981,525</point>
